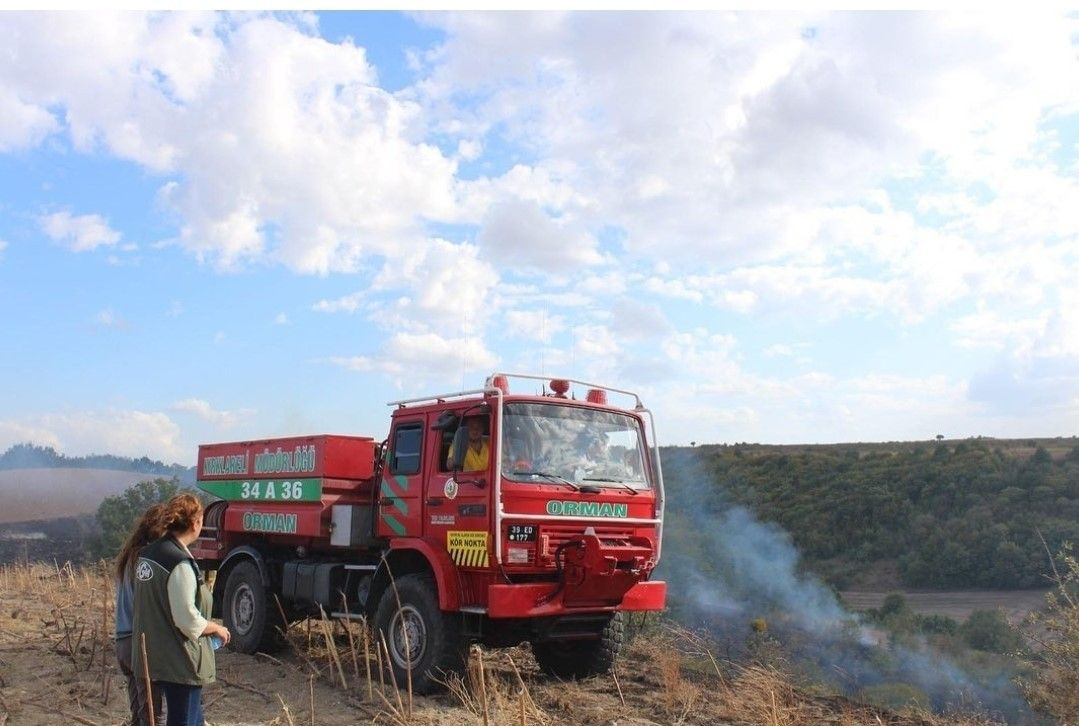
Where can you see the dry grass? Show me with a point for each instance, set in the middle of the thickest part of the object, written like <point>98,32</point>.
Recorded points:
<point>1055,688</point>
<point>494,695</point>
<point>57,666</point>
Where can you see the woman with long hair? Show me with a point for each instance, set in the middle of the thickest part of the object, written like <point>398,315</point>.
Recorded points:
<point>147,529</point>
<point>172,627</point>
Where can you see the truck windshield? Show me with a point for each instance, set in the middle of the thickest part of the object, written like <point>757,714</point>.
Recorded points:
<point>567,445</point>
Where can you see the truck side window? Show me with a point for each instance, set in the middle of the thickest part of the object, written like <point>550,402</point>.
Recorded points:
<point>406,449</point>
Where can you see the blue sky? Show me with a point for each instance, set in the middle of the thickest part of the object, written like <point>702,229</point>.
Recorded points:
<point>777,227</point>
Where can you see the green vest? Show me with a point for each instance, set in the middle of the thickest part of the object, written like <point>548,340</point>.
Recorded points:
<point>171,656</point>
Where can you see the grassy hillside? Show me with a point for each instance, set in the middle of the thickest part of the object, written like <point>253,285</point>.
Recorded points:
<point>948,514</point>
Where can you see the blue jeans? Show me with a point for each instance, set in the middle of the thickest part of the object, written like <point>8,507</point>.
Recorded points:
<point>183,704</point>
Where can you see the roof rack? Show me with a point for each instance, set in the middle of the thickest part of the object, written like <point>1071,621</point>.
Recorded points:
<point>546,379</point>
<point>441,397</point>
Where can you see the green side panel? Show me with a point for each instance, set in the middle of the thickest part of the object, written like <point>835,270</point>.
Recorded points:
<point>388,492</point>
<point>393,524</point>
<point>265,490</point>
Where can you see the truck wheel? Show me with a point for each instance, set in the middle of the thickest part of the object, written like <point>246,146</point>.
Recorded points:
<point>582,658</point>
<point>250,613</point>
<point>434,647</point>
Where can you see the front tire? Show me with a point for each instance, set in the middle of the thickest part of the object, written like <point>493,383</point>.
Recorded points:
<point>250,613</point>
<point>575,659</point>
<point>434,647</point>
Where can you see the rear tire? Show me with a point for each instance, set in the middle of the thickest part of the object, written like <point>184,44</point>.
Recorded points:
<point>435,648</point>
<point>250,612</point>
<point>573,659</point>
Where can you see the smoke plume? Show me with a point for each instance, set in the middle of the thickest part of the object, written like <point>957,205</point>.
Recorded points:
<point>730,572</point>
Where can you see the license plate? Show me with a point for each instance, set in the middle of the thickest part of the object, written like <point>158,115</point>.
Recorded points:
<point>522,533</point>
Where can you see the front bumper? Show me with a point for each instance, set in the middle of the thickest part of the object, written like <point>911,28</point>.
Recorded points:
<point>528,600</point>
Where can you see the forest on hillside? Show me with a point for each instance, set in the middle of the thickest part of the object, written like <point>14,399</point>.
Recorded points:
<point>976,513</point>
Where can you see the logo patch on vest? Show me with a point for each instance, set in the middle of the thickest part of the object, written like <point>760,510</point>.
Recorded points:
<point>143,571</point>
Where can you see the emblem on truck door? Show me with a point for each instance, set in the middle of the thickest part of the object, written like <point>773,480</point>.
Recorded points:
<point>451,488</point>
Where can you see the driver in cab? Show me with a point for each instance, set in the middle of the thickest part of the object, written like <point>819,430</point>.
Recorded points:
<point>477,454</point>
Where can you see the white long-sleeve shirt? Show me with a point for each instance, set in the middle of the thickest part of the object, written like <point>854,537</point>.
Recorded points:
<point>182,586</point>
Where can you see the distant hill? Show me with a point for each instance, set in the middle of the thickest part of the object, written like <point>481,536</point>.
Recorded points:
<point>31,456</point>
<point>41,494</point>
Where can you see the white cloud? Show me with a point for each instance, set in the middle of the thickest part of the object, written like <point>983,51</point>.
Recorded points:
<point>446,288</point>
<point>109,320</point>
<point>281,319</point>
<point>21,432</point>
<point>636,321</point>
<point>203,410</point>
<point>712,166</point>
<point>518,234</point>
<point>3,246</point>
<point>535,325</point>
<point>82,233</point>
<point>22,124</point>
<point>412,360</point>
<point>346,304</point>
<point>278,143</point>
<point>121,432</point>
<point>1035,371</point>
<point>595,343</point>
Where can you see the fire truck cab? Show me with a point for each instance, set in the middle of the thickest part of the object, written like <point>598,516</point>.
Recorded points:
<point>492,515</point>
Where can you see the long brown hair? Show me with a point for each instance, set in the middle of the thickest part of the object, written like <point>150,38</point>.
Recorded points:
<point>148,529</point>
<point>180,512</point>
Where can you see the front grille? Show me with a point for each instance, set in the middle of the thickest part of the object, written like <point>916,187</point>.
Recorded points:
<point>559,534</point>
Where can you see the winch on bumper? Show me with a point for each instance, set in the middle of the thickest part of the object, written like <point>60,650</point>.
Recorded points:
<point>595,573</point>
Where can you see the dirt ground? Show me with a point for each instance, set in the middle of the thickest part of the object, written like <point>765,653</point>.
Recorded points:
<point>57,667</point>
<point>957,604</point>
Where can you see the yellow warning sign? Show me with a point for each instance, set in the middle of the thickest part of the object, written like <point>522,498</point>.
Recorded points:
<point>468,549</point>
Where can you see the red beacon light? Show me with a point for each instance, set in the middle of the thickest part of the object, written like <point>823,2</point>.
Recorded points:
<point>560,386</point>
<point>597,395</point>
<point>501,383</point>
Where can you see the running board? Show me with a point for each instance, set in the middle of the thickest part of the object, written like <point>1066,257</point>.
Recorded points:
<point>348,616</point>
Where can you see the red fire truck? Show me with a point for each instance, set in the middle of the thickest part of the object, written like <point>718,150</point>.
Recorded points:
<point>491,515</point>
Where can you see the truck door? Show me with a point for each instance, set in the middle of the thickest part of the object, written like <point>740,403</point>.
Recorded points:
<point>401,487</point>
<point>459,502</point>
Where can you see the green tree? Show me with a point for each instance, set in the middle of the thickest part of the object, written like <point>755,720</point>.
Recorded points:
<point>990,631</point>
<point>117,515</point>
<point>894,604</point>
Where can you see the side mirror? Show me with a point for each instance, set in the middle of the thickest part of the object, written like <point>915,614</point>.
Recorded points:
<point>446,420</point>
<point>460,448</point>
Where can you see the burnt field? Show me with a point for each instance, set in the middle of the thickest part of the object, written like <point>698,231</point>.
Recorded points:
<point>62,539</point>
<point>57,666</point>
